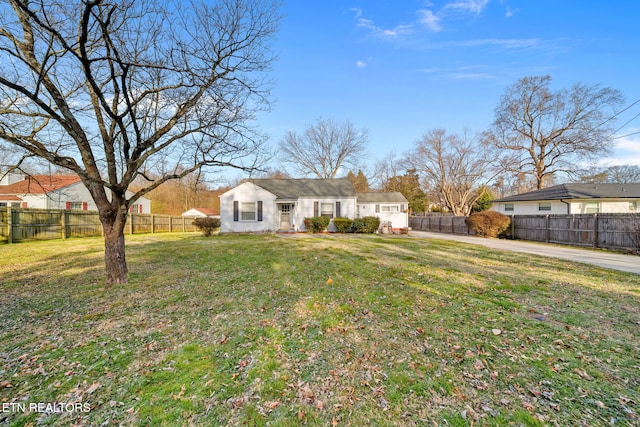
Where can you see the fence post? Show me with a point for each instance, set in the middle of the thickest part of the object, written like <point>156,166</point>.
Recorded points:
<point>63,224</point>
<point>131,223</point>
<point>9,224</point>
<point>170,223</point>
<point>153,224</point>
<point>595,230</point>
<point>513,227</point>
<point>184,224</point>
<point>547,227</point>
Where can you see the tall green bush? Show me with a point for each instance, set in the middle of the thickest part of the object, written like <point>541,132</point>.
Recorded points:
<point>316,224</point>
<point>367,224</point>
<point>343,224</point>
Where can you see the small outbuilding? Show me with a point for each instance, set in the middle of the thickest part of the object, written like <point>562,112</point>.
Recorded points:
<point>201,213</point>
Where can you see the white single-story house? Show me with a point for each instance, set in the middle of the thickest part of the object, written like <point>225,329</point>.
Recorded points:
<point>573,199</point>
<point>267,205</point>
<point>65,192</point>
<point>389,207</point>
<point>201,213</point>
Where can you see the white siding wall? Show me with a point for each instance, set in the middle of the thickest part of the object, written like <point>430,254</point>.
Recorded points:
<point>304,209</point>
<point>247,193</point>
<point>73,193</point>
<point>560,208</point>
<point>532,208</point>
<point>397,219</point>
<point>606,206</point>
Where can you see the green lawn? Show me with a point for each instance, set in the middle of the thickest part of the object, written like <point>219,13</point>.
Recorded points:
<point>342,330</point>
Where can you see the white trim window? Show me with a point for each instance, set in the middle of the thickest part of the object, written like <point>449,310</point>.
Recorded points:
<point>544,206</point>
<point>389,208</point>
<point>592,207</point>
<point>509,207</point>
<point>326,209</point>
<point>248,211</point>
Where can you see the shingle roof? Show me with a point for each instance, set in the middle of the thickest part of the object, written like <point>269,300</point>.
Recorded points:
<point>295,188</point>
<point>578,191</point>
<point>39,184</point>
<point>391,197</point>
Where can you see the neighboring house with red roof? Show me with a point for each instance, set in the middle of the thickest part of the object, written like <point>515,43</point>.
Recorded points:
<point>65,192</point>
<point>201,213</point>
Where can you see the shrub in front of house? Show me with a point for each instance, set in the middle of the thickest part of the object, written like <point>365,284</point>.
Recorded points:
<point>207,225</point>
<point>488,223</point>
<point>367,224</point>
<point>316,224</point>
<point>343,224</point>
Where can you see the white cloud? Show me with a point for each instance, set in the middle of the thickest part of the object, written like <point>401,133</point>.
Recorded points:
<point>626,150</point>
<point>506,43</point>
<point>510,12</point>
<point>361,64</point>
<point>429,20</point>
<point>473,6</point>
<point>384,33</point>
<point>357,11</point>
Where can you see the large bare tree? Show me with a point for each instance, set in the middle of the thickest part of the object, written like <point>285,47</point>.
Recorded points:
<point>111,89</point>
<point>324,148</point>
<point>541,132</point>
<point>454,168</point>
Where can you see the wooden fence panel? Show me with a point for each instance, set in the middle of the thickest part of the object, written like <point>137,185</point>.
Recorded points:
<point>611,231</point>
<point>35,224</point>
<point>82,224</point>
<point>41,224</point>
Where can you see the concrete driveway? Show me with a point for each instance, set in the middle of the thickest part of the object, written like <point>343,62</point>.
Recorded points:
<point>614,261</point>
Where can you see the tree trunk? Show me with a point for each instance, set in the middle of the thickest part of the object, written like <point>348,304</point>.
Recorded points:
<point>114,251</point>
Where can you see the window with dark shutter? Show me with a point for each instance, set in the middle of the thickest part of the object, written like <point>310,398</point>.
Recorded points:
<point>338,213</point>
<point>68,206</point>
<point>85,206</point>
<point>236,211</point>
<point>377,208</point>
<point>315,209</point>
<point>259,210</point>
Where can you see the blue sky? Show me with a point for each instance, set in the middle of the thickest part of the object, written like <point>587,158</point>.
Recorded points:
<point>399,68</point>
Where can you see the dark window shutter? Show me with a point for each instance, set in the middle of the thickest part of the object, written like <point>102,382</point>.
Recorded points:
<point>84,206</point>
<point>338,209</point>
<point>315,209</point>
<point>377,208</point>
<point>236,212</point>
<point>140,207</point>
<point>68,206</point>
<point>259,210</point>
<point>24,205</point>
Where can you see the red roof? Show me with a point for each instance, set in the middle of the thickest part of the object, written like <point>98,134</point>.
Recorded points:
<point>40,184</point>
<point>207,211</point>
<point>10,197</point>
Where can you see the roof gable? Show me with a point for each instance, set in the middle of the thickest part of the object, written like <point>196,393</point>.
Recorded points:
<point>296,188</point>
<point>578,191</point>
<point>40,184</point>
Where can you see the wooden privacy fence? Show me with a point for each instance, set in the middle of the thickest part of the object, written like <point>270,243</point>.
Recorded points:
<point>17,224</point>
<point>609,231</point>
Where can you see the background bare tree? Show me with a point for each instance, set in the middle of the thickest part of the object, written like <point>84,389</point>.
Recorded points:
<point>110,89</point>
<point>542,132</point>
<point>324,148</point>
<point>619,174</point>
<point>454,168</point>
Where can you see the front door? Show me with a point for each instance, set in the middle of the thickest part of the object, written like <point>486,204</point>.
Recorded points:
<point>285,217</point>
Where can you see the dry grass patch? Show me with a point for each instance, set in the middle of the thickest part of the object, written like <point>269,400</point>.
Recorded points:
<point>249,330</point>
